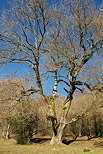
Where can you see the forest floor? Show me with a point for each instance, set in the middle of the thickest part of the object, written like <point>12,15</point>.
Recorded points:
<point>41,145</point>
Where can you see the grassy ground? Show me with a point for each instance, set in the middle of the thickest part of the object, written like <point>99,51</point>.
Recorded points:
<point>81,146</point>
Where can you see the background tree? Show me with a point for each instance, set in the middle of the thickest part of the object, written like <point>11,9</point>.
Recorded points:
<point>19,115</point>
<point>88,125</point>
<point>62,40</point>
<point>24,122</point>
<point>9,96</point>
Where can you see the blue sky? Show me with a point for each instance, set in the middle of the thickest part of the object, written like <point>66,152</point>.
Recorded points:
<point>3,3</point>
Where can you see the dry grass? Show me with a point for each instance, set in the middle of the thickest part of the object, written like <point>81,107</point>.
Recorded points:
<point>76,147</point>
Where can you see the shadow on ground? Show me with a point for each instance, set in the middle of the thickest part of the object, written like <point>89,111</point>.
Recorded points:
<point>43,140</point>
<point>67,142</point>
<point>40,140</point>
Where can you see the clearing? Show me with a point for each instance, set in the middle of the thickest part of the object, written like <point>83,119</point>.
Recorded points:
<point>41,146</point>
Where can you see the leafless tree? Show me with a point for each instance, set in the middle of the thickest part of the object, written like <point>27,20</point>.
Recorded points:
<point>62,40</point>
<point>74,43</point>
<point>9,98</point>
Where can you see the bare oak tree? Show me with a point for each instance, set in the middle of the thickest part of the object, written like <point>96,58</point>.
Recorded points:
<point>61,40</point>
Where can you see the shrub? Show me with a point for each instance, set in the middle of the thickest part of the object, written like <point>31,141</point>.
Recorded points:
<point>23,127</point>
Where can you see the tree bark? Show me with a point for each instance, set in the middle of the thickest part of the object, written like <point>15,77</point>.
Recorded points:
<point>7,132</point>
<point>57,137</point>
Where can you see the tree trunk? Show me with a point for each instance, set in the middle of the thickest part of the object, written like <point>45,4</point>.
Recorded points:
<point>57,137</point>
<point>7,132</point>
<point>3,133</point>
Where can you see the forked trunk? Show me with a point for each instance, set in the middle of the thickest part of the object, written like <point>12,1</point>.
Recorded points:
<point>57,139</point>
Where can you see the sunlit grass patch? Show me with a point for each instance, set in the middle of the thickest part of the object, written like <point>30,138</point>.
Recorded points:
<point>76,147</point>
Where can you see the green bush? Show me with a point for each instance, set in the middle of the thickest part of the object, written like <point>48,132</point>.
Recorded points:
<point>23,127</point>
